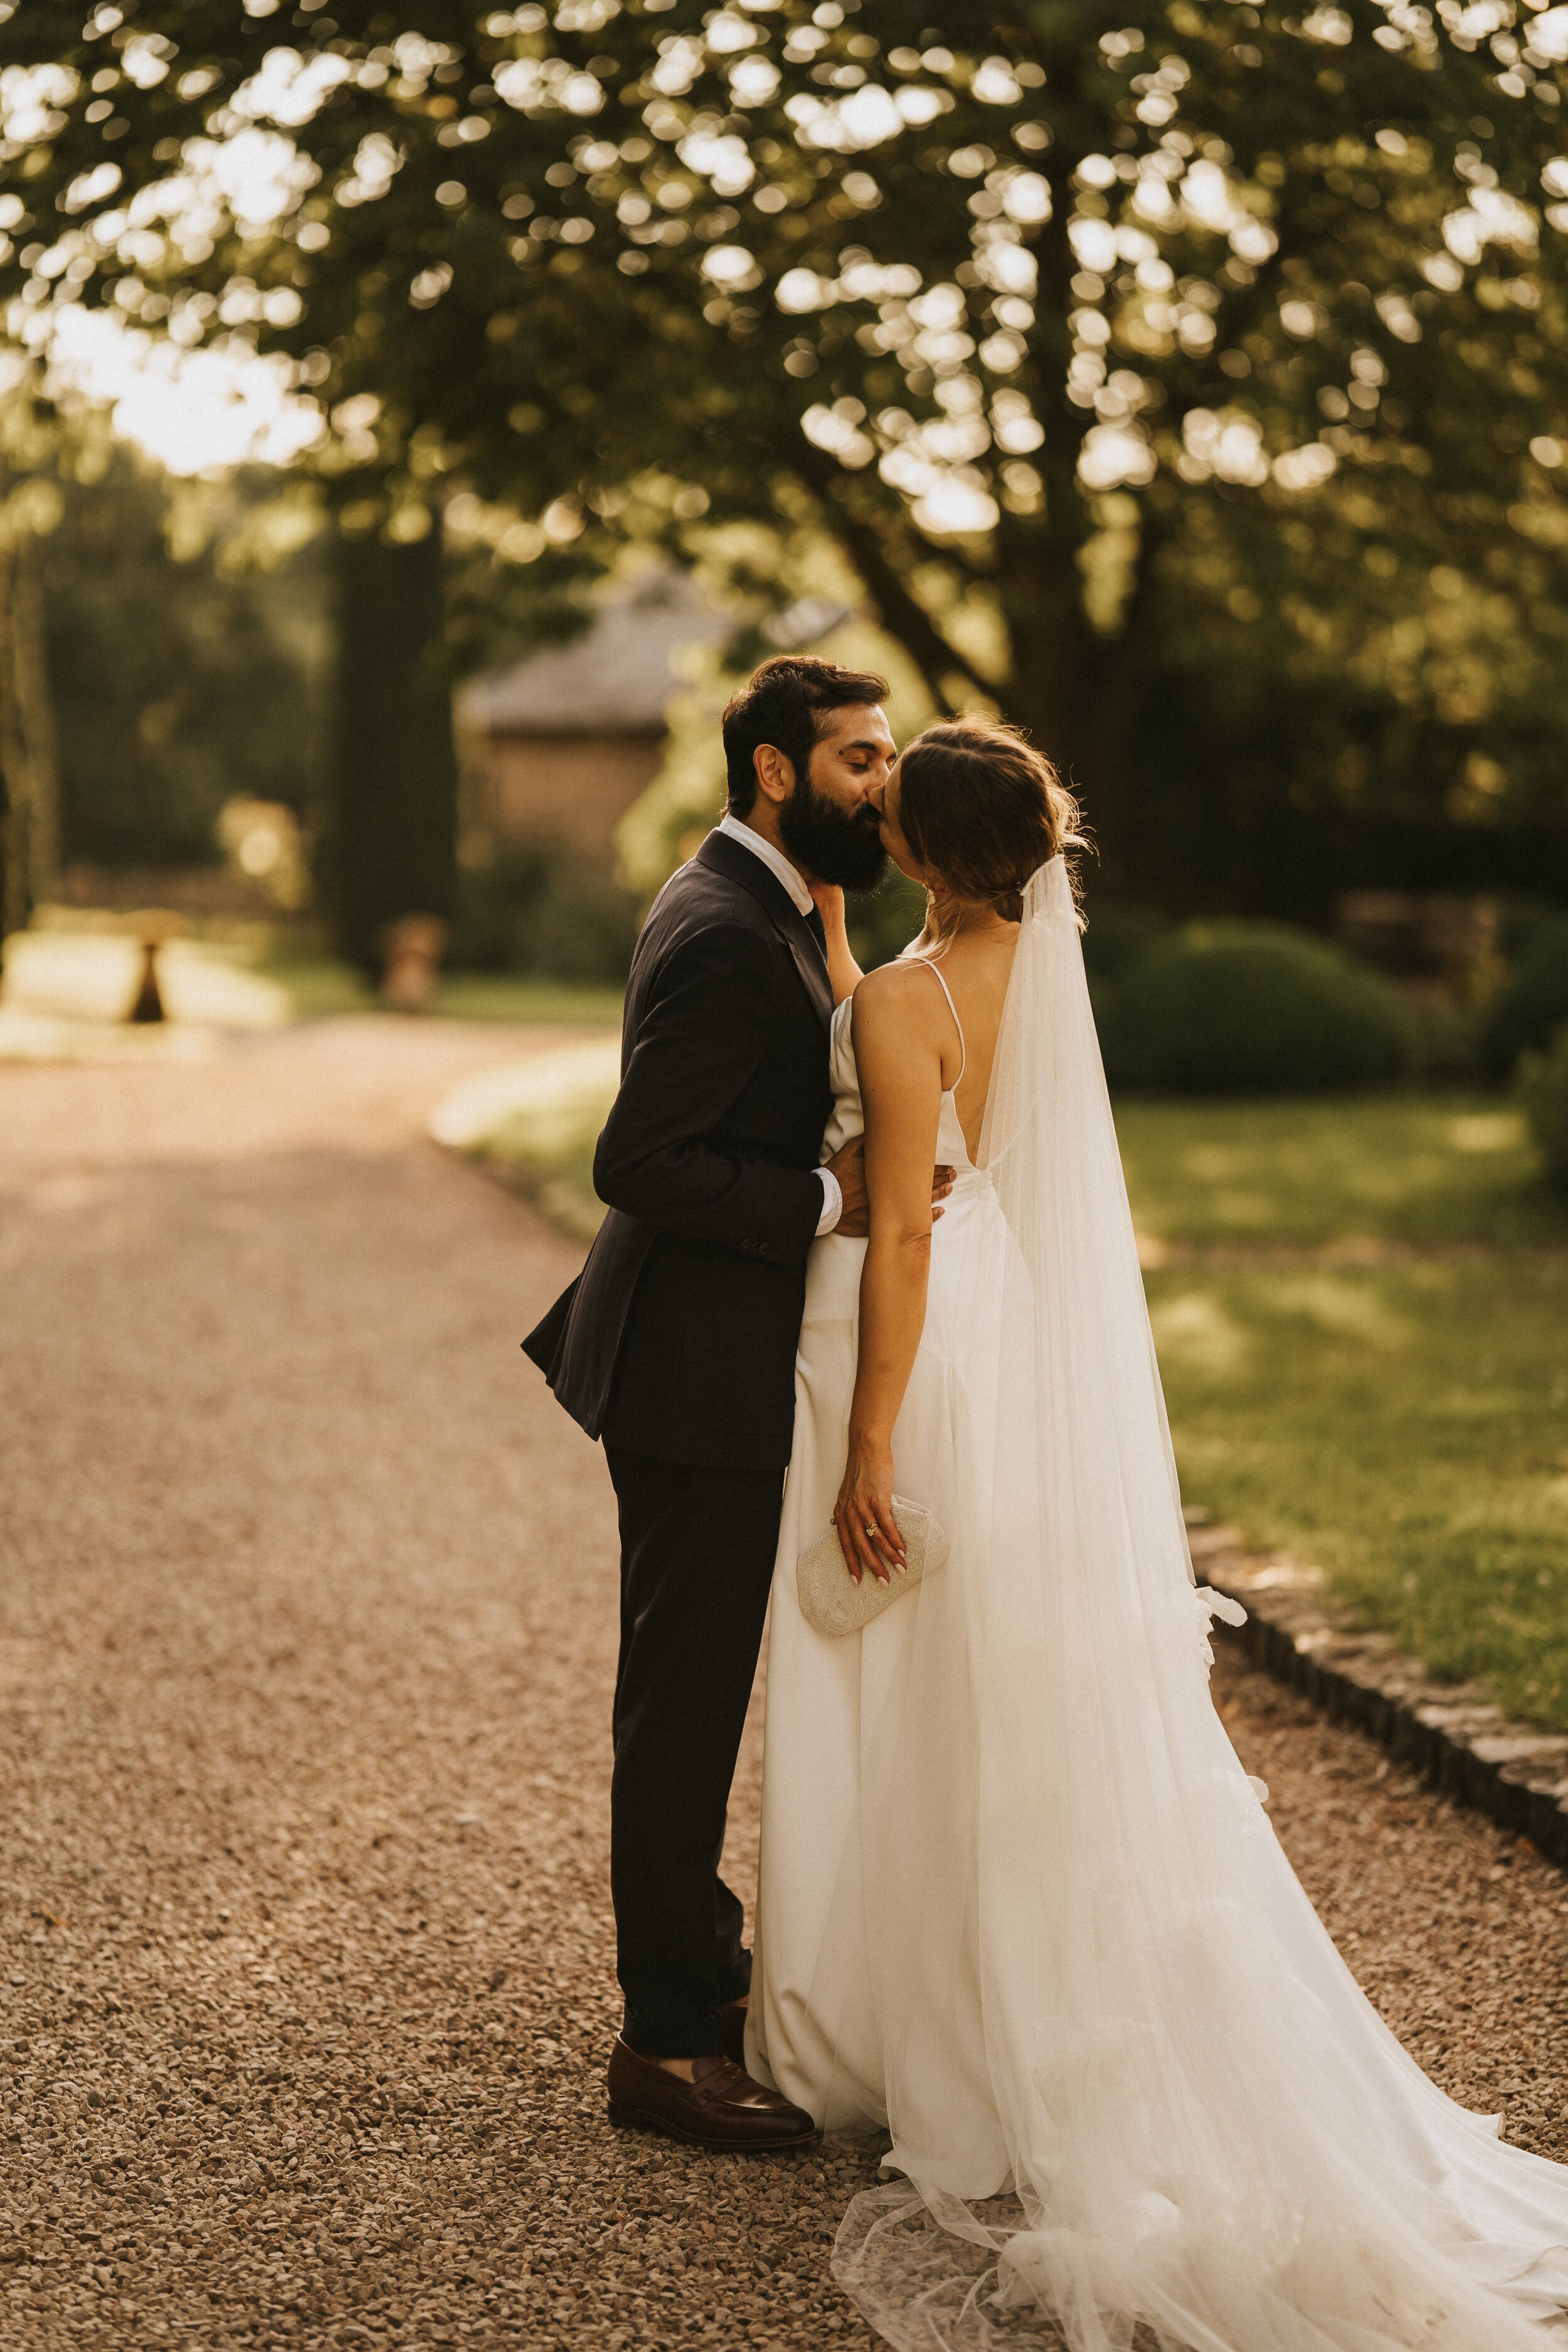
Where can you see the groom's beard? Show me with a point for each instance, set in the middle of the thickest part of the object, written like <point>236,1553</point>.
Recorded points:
<point>830,843</point>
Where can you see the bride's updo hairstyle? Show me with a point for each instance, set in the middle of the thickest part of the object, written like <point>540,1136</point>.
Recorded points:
<point>982,808</point>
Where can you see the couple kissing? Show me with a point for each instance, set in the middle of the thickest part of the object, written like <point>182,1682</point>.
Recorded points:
<point>865,1337</point>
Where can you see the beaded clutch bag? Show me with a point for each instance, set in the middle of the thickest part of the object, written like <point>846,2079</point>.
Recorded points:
<point>830,1600</point>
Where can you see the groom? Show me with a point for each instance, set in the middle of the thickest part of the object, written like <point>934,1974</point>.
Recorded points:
<point>676,1345</point>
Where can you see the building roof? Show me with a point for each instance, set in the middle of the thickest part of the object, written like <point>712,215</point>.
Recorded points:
<point>614,679</point>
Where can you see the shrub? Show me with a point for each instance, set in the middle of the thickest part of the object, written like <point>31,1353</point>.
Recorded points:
<point>1113,942</point>
<point>533,910</point>
<point>1543,1089</point>
<point>1534,1006</point>
<point>1251,1008</point>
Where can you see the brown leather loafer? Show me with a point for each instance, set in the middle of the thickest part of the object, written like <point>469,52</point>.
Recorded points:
<point>722,2109</point>
<point>732,2017</point>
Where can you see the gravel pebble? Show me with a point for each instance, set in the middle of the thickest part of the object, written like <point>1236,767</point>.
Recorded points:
<point>307,1632</point>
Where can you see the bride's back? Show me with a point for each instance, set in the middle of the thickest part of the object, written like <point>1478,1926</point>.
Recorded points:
<point>974,970</point>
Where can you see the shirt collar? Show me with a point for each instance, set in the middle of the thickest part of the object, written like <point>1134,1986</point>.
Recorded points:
<point>776,861</point>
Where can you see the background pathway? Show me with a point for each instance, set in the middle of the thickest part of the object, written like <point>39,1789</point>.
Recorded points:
<point>306,1639</point>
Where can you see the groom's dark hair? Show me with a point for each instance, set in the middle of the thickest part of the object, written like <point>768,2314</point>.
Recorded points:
<point>782,703</point>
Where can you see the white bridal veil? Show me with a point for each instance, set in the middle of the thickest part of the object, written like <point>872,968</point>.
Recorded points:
<point>1201,2135</point>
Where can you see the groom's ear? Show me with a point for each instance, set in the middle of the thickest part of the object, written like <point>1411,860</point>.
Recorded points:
<point>774,773</point>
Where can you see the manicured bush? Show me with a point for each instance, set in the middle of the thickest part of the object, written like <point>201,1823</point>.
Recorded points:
<point>1251,1008</point>
<point>1543,1089</point>
<point>534,909</point>
<point>1528,1012</point>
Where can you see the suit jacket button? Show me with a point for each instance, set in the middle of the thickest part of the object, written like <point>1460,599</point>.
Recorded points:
<point>764,1249</point>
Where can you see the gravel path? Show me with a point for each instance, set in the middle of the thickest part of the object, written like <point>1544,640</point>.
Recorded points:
<point>306,1638</point>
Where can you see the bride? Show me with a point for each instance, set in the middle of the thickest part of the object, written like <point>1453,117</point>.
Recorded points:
<point>1019,1904</point>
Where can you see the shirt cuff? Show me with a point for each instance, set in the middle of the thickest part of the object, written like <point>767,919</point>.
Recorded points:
<point>832,1202</point>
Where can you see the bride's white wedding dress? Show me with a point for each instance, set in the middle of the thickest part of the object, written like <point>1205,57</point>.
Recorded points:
<point>1018,1902</point>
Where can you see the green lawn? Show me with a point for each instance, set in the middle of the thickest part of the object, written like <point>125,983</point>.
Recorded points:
<point>1421,1169</point>
<point>1363,1324</point>
<point>320,985</point>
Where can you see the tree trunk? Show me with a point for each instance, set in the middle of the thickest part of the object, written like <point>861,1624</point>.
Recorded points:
<point>1076,691</point>
<point>391,827</point>
<point>16,797</point>
<point>36,715</point>
<point>1079,693</point>
<point>1053,689</point>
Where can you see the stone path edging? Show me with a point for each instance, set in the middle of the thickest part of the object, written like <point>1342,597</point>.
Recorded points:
<point>1451,1734</point>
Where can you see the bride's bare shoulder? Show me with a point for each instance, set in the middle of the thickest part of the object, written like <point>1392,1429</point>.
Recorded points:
<point>903,983</point>
<point>898,1000</point>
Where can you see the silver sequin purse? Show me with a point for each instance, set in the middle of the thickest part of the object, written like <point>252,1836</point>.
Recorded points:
<point>830,1600</point>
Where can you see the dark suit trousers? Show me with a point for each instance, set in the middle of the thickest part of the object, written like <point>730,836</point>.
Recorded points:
<point>696,1556</point>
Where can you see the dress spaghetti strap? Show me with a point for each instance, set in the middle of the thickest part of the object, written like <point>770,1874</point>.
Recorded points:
<point>963,1041</point>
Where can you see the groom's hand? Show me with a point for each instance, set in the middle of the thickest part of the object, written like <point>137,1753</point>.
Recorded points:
<point>849,1167</point>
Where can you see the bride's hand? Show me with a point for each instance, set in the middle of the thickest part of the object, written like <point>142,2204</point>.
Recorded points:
<point>828,900</point>
<point>863,1515</point>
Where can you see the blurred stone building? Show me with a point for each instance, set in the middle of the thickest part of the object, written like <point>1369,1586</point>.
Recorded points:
<point>557,748</point>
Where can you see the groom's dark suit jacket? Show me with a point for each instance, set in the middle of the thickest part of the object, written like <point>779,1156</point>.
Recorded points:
<point>678,1337</point>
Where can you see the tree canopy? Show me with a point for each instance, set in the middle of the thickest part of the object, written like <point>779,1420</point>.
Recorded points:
<point>1114,339</point>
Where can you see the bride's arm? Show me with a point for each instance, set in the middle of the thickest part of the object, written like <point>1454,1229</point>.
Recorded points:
<point>843,972</point>
<point>897,1051</point>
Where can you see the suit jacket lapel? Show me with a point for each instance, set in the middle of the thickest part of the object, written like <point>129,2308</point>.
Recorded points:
<point>738,865</point>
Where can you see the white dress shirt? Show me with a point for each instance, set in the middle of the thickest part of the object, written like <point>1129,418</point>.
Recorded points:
<point>779,867</point>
